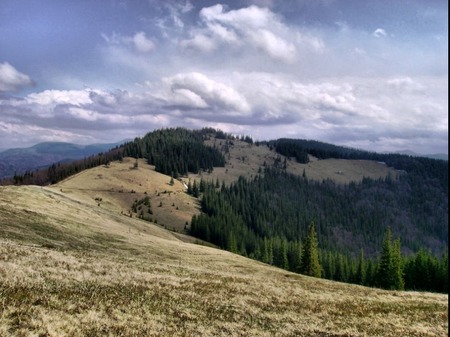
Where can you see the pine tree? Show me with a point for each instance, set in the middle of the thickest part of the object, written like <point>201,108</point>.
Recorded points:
<point>390,270</point>
<point>195,190</point>
<point>384,277</point>
<point>360,277</point>
<point>310,256</point>
<point>232,243</point>
<point>398,281</point>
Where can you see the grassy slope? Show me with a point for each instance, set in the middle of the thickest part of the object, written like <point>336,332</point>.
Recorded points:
<point>245,160</point>
<point>69,267</point>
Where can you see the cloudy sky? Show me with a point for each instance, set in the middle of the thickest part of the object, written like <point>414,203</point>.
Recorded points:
<point>369,74</point>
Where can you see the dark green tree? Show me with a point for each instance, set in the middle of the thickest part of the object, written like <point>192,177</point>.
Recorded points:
<point>398,281</point>
<point>390,269</point>
<point>310,264</point>
<point>360,277</point>
<point>384,277</point>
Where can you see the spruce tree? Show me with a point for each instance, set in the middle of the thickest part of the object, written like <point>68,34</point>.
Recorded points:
<point>390,270</point>
<point>360,277</point>
<point>310,256</point>
<point>398,281</point>
<point>384,277</point>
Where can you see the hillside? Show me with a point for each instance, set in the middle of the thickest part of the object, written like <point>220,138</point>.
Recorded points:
<point>72,267</point>
<point>259,200</point>
<point>244,159</point>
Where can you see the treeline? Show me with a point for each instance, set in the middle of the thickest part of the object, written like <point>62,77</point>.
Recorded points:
<point>173,152</point>
<point>427,168</point>
<point>176,151</point>
<point>266,219</point>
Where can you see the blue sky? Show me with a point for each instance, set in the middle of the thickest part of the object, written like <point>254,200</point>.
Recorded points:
<point>366,74</point>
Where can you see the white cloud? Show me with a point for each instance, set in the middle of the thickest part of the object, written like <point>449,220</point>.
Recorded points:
<point>379,32</point>
<point>139,41</point>
<point>274,46</point>
<point>200,42</point>
<point>404,84</point>
<point>199,91</point>
<point>11,79</point>
<point>55,97</point>
<point>253,16</point>
<point>250,30</point>
<point>142,43</point>
<point>349,111</point>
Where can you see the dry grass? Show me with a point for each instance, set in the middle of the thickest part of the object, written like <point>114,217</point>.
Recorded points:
<point>245,160</point>
<point>118,186</point>
<point>69,267</point>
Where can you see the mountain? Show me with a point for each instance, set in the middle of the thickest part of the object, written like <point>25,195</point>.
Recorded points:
<point>259,199</point>
<point>20,160</point>
<point>440,156</point>
<point>74,262</point>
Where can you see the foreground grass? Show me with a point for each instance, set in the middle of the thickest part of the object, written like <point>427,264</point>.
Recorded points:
<point>47,292</point>
<point>71,268</point>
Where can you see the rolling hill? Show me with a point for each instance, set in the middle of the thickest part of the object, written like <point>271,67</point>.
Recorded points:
<point>74,263</point>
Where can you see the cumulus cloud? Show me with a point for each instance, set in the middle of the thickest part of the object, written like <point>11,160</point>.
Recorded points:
<point>246,70</point>
<point>55,97</point>
<point>11,79</point>
<point>246,29</point>
<point>347,111</point>
<point>196,90</point>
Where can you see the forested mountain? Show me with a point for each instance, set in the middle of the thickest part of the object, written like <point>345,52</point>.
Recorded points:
<point>347,218</point>
<point>176,151</point>
<point>268,218</point>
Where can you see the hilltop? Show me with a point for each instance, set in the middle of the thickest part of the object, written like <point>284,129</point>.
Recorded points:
<point>73,262</point>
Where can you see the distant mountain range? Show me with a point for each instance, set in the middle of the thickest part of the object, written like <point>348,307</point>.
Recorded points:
<point>20,160</point>
<point>441,156</point>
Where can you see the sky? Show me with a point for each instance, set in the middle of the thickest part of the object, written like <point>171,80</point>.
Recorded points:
<point>369,74</point>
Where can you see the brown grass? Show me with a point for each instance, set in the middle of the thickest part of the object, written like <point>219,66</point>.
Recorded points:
<point>118,186</point>
<point>245,160</point>
<point>69,267</point>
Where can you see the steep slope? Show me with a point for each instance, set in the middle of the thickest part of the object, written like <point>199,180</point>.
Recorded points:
<point>69,267</point>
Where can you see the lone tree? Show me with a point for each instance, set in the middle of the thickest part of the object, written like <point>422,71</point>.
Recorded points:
<point>310,264</point>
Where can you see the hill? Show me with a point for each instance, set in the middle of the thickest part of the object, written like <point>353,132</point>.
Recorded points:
<point>247,159</point>
<point>20,160</point>
<point>74,263</point>
<point>259,199</point>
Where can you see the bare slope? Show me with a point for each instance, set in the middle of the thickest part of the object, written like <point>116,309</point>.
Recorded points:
<point>245,159</point>
<point>69,267</point>
<point>117,186</point>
